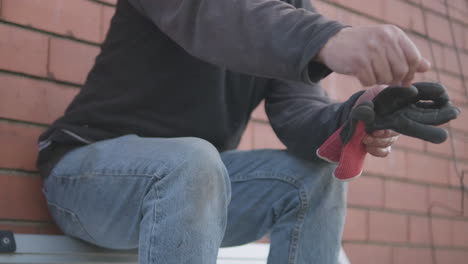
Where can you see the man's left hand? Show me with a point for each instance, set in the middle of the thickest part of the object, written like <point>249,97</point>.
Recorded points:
<point>379,143</point>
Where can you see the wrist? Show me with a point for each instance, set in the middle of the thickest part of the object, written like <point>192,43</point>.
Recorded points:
<point>321,55</point>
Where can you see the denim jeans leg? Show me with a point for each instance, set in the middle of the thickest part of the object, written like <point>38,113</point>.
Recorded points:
<point>298,202</point>
<point>169,197</point>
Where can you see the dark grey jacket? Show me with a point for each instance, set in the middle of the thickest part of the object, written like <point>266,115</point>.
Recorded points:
<point>198,68</point>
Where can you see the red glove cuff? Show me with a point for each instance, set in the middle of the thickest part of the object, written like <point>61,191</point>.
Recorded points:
<point>350,157</point>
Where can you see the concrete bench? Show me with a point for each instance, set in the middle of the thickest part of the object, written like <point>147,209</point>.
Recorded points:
<point>52,249</point>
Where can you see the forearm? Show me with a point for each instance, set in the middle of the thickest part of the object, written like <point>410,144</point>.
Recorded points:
<point>268,38</point>
<point>304,118</point>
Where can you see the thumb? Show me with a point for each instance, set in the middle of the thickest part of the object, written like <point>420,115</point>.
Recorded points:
<point>424,65</point>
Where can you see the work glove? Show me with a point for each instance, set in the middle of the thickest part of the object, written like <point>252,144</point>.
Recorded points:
<point>413,111</point>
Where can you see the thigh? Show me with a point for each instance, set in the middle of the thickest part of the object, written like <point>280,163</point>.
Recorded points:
<point>96,192</point>
<point>266,184</point>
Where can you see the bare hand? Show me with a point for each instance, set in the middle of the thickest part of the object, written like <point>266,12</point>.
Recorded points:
<point>380,54</point>
<point>380,142</point>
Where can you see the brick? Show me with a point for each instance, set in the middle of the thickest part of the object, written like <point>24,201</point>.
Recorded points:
<point>451,256</point>
<point>444,148</point>
<point>450,61</point>
<point>464,62</point>
<point>358,20</point>
<point>460,233</point>
<point>110,1</point>
<point>466,39</point>
<point>23,50</point>
<point>71,61</point>
<point>33,100</point>
<point>388,227</point>
<point>451,82</point>
<point>420,231</point>
<point>264,137</point>
<point>462,168</point>
<point>259,112</point>
<point>326,9</point>
<point>423,46</point>
<point>246,142</point>
<point>405,196</point>
<point>459,34</point>
<point>50,229</point>
<point>106,15</point>
<point>461,123</point>
<point>372,8</point>
<point>75,18</point>
<point>20,228</point>
<point>409,143</point>
<point>19,146</point>
<point>435,5</point>
<point>446,201</point>
<point>427,169</point>
<point>264,240</point>
<point>412,255</point>
<point>417,20</point>
<point>399,13</point>
<point>394,164</point>
<point>366,191</point>
<point>368,254</point>
<point>356,225</point>
<point>438,28</point>
<point>340,87</point>
<point>458,98</point>
<point>22,198</point>
<point>457,16</point>
<point>460,143</point>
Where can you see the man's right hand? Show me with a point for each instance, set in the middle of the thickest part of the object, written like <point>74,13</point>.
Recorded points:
<point>380,54</point>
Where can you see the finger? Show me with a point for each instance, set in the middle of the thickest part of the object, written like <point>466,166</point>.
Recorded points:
<point>432,91</point>
<point>412,55</point>
<point>395,57</point>
<point>366,75</point>
<point>384,133</point>
<point>424,65</point>
<point>406,82</point>
<point>414,129</point>
<point>381,67</point>
<point>431,116</point>
<point>364,112</point>
<point>394,98</point>
<point>379,142</point>
<point>379,152</point>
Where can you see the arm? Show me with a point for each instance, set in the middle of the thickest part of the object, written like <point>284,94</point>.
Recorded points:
<point>302,116</point>
<point>267,38</point>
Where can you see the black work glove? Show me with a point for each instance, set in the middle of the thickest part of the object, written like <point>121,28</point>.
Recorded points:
<point>413,111</point>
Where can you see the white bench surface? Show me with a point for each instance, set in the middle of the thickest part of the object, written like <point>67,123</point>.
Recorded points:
<point>52,249</point>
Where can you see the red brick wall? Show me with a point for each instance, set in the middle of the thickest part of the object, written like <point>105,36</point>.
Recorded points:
<point>47,47</point>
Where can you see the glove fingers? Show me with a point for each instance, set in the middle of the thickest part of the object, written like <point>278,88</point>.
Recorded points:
<point>364,112</point>
<point>428,116</point>
<point>429,133</point>
<point>393,98</point>
<point>432,91</point>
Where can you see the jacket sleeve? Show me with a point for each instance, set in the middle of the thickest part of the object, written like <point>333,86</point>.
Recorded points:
<point>303,116</point>
<point>267,38</point>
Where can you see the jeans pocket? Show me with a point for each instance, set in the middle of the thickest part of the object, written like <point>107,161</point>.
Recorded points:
<point>69,223</point>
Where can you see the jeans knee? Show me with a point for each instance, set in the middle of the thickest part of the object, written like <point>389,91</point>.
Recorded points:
<point>203,172</point>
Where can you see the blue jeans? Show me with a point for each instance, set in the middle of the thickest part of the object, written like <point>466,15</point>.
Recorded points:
<point>178,200</point>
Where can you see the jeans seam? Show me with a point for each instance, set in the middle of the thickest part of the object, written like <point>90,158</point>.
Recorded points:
<point>296,232</point>
<point>268,176</point>
<point>89,175</point>
<point>153,224</point>
<point>75,216</point>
